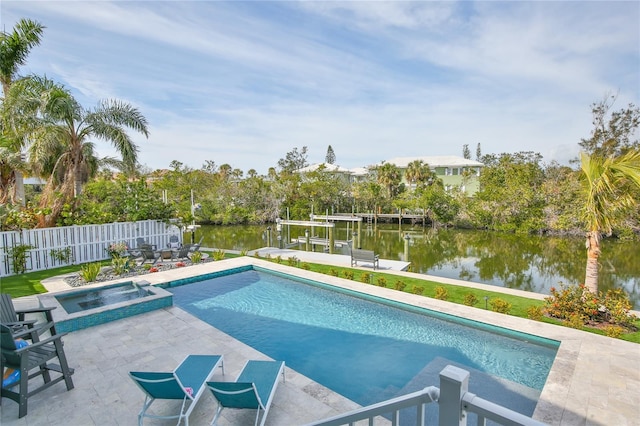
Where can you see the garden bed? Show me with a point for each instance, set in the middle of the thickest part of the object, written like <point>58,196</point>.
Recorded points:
<point>107,272</point>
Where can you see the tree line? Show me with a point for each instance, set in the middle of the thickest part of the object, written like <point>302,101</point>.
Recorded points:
<point>518,193</point>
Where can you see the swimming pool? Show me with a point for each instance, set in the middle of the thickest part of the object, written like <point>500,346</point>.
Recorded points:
<point>363,349</point>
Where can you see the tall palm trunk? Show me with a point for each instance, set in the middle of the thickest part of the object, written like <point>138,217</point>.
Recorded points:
<point>593,253</point>
<point>77,182</point>
<point>20,194</point>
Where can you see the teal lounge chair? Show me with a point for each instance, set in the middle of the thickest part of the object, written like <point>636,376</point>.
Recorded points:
<point>186,383</point>
<point>253,389</point>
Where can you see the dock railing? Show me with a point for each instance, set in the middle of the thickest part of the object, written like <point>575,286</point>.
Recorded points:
<point>454,403</point>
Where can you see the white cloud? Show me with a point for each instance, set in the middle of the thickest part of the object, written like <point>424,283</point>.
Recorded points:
<point>245,82</point>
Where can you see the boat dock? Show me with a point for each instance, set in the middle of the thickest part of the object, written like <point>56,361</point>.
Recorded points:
<point>329,259</point>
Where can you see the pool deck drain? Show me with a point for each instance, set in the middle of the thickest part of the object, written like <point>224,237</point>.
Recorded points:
<point>594,380</point>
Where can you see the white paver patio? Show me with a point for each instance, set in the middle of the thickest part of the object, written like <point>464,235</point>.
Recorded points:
<point>594,380</point>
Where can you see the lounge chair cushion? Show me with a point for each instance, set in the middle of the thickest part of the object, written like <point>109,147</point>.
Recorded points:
<point>253,389</point>
<point>160,384</point>
<point>237,395</point>
<point>191,373</point>
<point>264,375</point>
<point>186,382</point>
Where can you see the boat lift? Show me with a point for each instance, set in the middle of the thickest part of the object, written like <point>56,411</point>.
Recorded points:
<point>322,221</point>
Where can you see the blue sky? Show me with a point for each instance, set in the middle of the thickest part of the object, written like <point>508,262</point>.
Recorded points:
<point>245,82</point>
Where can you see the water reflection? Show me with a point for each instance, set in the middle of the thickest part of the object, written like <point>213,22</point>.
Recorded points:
<point>523,262</point>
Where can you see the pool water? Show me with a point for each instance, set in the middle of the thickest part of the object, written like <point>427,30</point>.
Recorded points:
<point>365,350</point>
<point>83,300</point>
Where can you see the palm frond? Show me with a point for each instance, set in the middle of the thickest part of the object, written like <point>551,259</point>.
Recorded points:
<point>123,114</point>
<point>604,180</point>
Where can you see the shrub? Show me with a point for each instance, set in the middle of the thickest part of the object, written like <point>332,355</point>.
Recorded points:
<point>278,259</point>
<point>218,255</point>
<point>61,255</point>
<point>614,331</point>
<point>565,302</point>
<point>180,264</point>
<point>244,252</point>
<point>292,261</point>
<point>348,274</point>
<point>616,308</point>
<point>612,307</point>
<point>500,305</point>
<point>89,272</point>
<point>196,257</point>
<point>470,299</point>
<point>575,321</point>
<point>333,272</point>
<point>381,281</point>
<point>418,289</point>
<point>365,278</point>
<point>305,266</point>
<point>399,285</point>
<point>117,249</point>
<point>534,313</point>
<point>153,269</point>
<point>120,265</point>
<point>18,255</point>
<point>441,293</point>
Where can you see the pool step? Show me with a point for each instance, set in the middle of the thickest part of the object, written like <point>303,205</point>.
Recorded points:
<point>515,396</point>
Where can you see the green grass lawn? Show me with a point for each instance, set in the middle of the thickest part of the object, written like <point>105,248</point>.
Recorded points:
<point>30,283</point>
<point>520,306</point>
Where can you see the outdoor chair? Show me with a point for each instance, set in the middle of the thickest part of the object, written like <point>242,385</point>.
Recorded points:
<point>186,383</point>
<point>182,253</point>
<point>147,253</point>
<point>33,356</point>
<point>174,242</point>
<point>196,246</point>
<point>141,243</point>
<point>16,321</point>
<point>253,389</point>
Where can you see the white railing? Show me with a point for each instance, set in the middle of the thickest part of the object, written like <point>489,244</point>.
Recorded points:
<point>82,243</point>
<point>454,403</point>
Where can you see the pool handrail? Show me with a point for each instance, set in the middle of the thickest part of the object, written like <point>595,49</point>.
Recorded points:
<point>453,399</point>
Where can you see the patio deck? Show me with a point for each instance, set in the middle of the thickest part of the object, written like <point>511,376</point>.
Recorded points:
<point>594,380</point>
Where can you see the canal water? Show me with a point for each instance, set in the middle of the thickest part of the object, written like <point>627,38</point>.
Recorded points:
<point>524,262</point>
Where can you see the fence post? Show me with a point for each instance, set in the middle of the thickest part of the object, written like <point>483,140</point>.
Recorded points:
<point>454,383</point>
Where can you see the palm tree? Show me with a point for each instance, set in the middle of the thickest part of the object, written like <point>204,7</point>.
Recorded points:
<point>11,165</point>
<point>414,172</point>
<point>606,185</point>
<point>60,131</point>
<point>389,177</point>
<point>419,173</point>
<point>14,49</point>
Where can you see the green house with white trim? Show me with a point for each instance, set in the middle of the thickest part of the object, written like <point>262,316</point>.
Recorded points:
<point>452,170</point>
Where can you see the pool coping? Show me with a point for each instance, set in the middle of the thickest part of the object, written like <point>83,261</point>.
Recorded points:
<point>593,380</point>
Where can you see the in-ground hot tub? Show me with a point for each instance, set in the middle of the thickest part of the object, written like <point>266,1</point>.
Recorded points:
<point>81,308</point>
<point>79,301</point>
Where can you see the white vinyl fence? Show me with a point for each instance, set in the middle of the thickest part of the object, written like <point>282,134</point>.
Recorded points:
<point>82,243</point>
